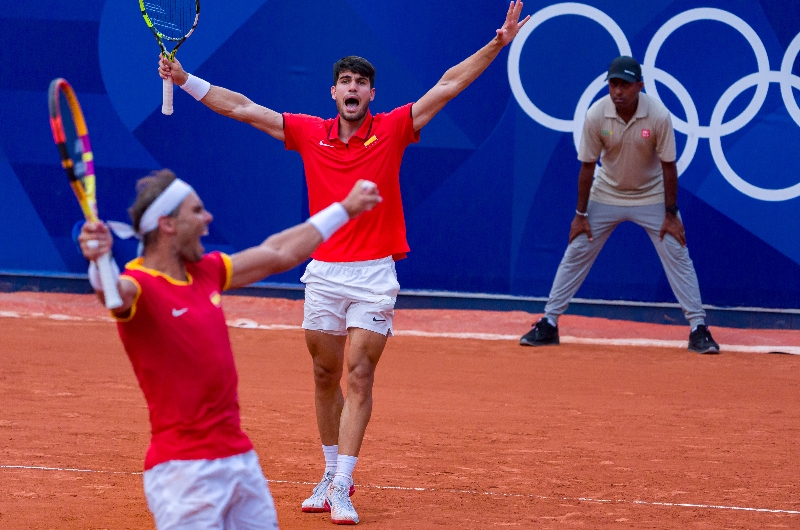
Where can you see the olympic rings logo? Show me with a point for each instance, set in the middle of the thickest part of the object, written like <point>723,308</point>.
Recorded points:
<point>691,127</point>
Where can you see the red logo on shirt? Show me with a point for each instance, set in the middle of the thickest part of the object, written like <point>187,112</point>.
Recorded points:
<point>645,133</point>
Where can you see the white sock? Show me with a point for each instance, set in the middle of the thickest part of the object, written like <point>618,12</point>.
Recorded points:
<point>553,321</point>
<point>344,469</point>
<point>331,453</point>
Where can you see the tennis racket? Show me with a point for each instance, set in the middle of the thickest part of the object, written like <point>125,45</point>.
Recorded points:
<point>72,140</point>
<point>172,21</point>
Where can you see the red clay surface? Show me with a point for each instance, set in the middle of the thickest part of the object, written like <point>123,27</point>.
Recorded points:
<point>489,433</point>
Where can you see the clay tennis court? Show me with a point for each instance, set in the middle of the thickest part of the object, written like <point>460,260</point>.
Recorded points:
<point>469,430</point>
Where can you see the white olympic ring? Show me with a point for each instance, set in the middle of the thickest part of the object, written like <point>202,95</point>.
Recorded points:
<point>519,41</point>
<point>691,126</point>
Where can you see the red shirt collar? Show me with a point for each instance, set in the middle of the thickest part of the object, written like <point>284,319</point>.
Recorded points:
<point>362,132</point>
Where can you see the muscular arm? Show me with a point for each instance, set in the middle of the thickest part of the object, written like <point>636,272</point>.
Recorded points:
<point>237,106</point>
<point>229,103</point>
<point>464,73</point>
<point>278,253</point>
<point>580,224</point>
<point>285,250</point>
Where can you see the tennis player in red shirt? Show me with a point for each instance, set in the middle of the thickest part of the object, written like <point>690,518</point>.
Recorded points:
<point>351,284</point>
<point>200,470</point>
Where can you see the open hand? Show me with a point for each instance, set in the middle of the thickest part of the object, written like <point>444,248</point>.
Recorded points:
<point>512,24</point>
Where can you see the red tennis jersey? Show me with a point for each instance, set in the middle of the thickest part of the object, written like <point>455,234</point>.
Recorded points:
<point>178,344</point>
<point>333,167</point>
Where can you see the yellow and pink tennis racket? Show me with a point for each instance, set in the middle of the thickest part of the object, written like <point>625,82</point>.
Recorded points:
<point>72,139</point>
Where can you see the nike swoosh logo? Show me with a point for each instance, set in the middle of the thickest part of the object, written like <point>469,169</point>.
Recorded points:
<point>323,144</point>
<point>378,319</point>
<point>178,312</point>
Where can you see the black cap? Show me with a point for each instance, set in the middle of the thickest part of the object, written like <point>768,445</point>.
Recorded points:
<point>626,68</point>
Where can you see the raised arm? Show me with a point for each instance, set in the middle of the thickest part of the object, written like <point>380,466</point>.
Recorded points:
<point>287,249</point>
<point>227,102</point>
<point>95,240</point>
<point>464,73</point>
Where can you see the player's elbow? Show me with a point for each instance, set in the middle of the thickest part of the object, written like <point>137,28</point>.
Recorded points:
<point>285,262</point>
<point>447,89</point>
<point>284,257</point>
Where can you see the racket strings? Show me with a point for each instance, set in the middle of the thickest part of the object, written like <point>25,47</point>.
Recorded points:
<point>172,19</point>
<point>72,140</point>
<point>70,137</point>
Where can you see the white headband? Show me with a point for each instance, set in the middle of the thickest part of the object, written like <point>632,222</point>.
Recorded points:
<point>165,204</point>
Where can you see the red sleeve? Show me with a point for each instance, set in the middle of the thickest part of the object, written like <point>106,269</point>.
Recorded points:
<point>227,271</point>
<point>127,317</point>
<point>296,127</point>
<point>403,122</point>
<point>218,266</point>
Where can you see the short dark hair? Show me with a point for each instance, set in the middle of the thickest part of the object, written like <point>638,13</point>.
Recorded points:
<point>147,191</point>
<point>355,64</point>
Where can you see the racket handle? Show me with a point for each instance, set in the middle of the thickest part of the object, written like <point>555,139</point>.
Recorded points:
<point>110,291</point>
<point>166,105</point>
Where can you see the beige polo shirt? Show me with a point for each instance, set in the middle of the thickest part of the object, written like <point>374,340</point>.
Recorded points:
<point>629,173</point>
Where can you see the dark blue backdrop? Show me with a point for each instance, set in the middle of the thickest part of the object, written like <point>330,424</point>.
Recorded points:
<point>490,190</point>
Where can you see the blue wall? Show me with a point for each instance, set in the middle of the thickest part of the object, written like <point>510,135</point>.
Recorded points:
<point>490,190</point>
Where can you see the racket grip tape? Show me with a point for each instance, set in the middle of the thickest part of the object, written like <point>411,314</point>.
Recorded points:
<point>166,104</point>
<point>109,281</point>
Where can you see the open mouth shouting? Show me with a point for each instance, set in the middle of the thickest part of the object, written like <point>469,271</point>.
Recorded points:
<point>351,104</point>
<point>351,109</point>
<point>352,93</point>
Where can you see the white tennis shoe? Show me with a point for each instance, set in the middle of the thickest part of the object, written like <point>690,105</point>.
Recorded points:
<point>338,500</point>
<point>317,503</point>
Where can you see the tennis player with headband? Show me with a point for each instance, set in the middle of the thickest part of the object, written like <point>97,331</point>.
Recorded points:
<point>351,285</point>
<point>200,470</point>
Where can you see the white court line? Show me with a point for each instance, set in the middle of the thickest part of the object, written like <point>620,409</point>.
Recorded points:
<point>74,470</point>
<point>246,323</point>
<point>463,492</point>
<point>646,343</point>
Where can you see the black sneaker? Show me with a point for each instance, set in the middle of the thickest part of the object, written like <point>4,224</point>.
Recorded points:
<point>700,341</point>
<point>541,334</point>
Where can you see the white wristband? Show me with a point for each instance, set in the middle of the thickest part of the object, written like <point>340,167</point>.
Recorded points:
<point>582,214</point>
<point>196,87</point>
<point>94,274</point>
<point>330,220</point>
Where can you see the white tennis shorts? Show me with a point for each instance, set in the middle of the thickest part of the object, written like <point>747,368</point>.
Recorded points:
<point>343,295</point>
<point>229,493</point>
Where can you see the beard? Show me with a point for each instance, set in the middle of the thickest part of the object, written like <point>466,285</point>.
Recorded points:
<point>348,115</point>
<point>192,251</point>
